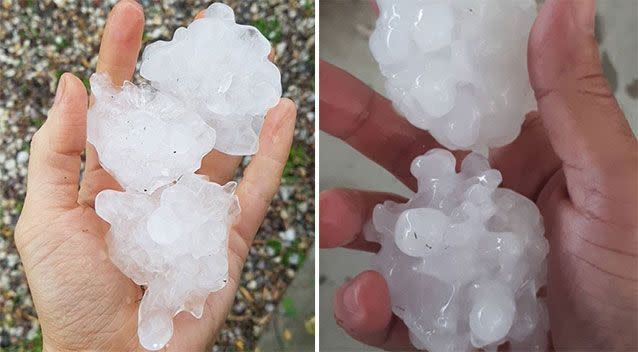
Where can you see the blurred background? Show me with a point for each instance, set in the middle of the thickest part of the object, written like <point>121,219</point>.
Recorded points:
<point>41,39</point>
<point>345,27</point>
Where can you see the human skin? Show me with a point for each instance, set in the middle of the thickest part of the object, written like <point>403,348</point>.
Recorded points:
<point>576,157</point>
<point>83,301</point>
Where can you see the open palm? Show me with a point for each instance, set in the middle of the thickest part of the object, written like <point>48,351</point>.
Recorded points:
<point>83,301</point>
<point>576,158</point>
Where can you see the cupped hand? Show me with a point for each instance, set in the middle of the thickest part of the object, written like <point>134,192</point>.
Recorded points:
<point>577,158</point>
<point>83,301</point>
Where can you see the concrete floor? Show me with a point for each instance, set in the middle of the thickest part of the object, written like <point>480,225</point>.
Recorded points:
<point>292,326</point>
<point>344,29</point>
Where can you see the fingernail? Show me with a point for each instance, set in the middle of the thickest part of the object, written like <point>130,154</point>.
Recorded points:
<point>137,4</point>
<point>585,14</point>
<point>350,298</point>
<point>59,93</point>
<point>282,109</point>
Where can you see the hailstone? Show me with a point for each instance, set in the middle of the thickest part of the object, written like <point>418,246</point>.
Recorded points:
<point>209,88</point>
<point>457,68</point>
<point>145,138</point>
<point>174,242</point>
<point>463,259</point>
<point>222,70</point>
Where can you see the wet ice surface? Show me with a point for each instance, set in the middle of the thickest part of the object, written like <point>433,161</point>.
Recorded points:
<point>457,68</point>
<point>215,73</point>
<point>174,242</point>
<point>144,137</point>
<point>210,88</point>
<point>463,259</point>
<point>230,86</point>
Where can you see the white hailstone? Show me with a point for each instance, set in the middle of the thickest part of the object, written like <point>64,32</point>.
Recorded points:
<point>222,69</point>
<point>463,259</point>
<point>210,88</point>
<point>145,138</point>
<point>457,68</point>
<point>174,242</point>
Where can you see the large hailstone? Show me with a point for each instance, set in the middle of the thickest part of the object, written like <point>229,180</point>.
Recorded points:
<point>173,241</point>
<point>457,68</point>
<point>221,69</point>
<point>210,88</point>
<point>463,259</point>
<point>145,138</point>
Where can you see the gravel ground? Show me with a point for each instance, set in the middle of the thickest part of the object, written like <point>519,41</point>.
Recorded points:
<point>39,40</point>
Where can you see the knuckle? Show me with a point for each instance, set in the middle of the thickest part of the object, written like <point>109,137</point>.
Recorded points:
<point>36,140</point>
<point>39,141</point>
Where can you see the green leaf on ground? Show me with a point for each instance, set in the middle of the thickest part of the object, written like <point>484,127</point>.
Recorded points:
<point>270,28</point>
<point>288,306</point>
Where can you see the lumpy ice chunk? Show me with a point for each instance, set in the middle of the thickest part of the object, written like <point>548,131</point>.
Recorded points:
<point>457,68</point>
<point>464,259</point>
<point>222,69</point>
<point>145,138</point>
<point>173,241</point>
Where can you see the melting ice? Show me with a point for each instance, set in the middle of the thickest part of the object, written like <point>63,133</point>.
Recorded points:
<point>457,68</point>
<point>209,88</point>
<point>463,259</point>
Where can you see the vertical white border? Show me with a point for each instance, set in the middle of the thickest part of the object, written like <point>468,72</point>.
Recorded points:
<point>316,242</point>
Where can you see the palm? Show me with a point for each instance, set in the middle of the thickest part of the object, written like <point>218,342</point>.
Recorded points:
<point>590,284</point>
<point>82,272</point>
<point>77,270</point>
<point>579,263</point>
<point>74,262</point>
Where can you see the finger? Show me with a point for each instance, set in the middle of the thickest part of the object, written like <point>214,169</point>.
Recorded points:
<point>363,309</point>
<point>262,176</point>
<point>529,161</point>
<point>219,167</point>
<point>94,182</point>
<point>375,6</point>
<point>359,116</point>
<point>585,124</point>
<point>54,165</point>
<point>121,43</point>
<point>344,213</point>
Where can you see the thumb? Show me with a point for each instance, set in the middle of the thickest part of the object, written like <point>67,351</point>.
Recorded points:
<point>584,123</point>
<point>54,165</point>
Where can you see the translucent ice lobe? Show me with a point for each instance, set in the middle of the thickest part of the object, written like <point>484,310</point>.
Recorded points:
<point>492,313</point>
<point>145,138</point>
<point>222,68</point>
<point>463,259</point>
<point>457,68</point>
<point>174,241</point>
<point>419,232</point>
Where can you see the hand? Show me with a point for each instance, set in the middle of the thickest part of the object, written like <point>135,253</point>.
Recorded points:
<point>83,301</point>
<point>577,158</point>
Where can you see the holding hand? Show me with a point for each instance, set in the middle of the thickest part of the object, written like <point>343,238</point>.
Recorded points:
<point>83,301</point>
<point>576,158</point>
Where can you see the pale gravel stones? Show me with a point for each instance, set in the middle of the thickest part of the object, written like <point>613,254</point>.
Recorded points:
<point>457,68</point>
<point>463,259</point>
